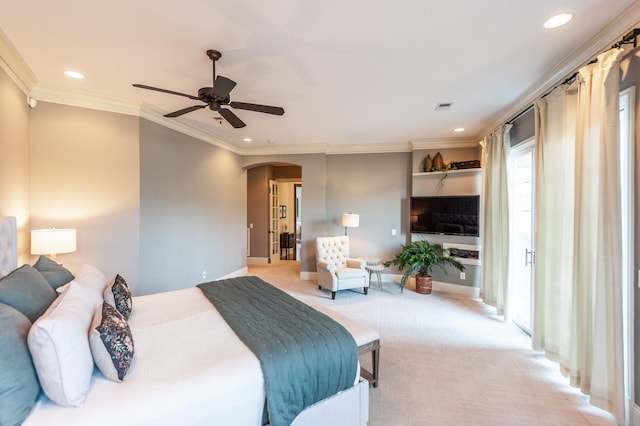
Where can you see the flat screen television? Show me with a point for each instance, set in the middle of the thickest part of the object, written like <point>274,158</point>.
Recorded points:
<point>446,215</point>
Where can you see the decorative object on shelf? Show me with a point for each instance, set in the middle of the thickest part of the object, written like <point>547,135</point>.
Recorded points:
<point>419,258</point>
<point>428,163</point>
<point>350,220</point>
<point>438,162</point>
<point>53,241</point>
<point>445,171</point>
<point>460,165</point>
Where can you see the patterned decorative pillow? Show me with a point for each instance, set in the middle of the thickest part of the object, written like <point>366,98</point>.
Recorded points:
<point>111,343</point>
<point>118,295</point>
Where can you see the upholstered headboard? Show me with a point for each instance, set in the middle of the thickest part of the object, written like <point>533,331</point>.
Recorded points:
<point>8,245</point>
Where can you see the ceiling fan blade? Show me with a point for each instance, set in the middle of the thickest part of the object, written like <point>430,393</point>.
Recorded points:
<point>258,108</point>
<point>171,92</point>
<point>231,118</point>
<point>222,86</point>
<point>184,111</point>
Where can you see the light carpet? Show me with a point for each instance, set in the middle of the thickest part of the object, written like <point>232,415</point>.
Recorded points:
<point>447,359</point>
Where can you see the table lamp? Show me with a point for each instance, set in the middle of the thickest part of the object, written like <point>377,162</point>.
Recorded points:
<point>53,241</point>
<point>350,220</point>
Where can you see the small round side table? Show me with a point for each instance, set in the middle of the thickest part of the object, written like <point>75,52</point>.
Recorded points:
<point>377,269</point>
<point>373,265</point>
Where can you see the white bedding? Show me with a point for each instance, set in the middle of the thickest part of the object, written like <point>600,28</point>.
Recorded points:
<point>187,360</point>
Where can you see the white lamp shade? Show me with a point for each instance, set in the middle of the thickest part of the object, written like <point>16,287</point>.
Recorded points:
<point>53,241</point>
<point>350,220</point>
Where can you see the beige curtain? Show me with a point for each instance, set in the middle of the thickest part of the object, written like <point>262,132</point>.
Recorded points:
<point>578,284</point>
<point>495,220</point>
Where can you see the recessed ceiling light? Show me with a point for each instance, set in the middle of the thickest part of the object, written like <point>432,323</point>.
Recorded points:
<point>558,20</point>
<point>74,74</point>
<point>247,139</point>
<point>459,129</point>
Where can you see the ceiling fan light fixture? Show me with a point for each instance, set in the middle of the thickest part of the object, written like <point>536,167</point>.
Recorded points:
<point>74,74</point>
<point>216,98</point>
<point>558,20</point>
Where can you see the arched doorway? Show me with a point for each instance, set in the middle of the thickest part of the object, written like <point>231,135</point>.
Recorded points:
<point>274,202</point>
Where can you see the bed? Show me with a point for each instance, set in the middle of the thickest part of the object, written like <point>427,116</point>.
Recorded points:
<point>189,366</point>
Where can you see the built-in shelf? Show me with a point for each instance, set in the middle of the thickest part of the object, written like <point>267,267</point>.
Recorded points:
<point>449,172</point>
<point>473,251</point>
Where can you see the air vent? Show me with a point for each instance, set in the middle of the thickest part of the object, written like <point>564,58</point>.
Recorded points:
<point>444,106</point>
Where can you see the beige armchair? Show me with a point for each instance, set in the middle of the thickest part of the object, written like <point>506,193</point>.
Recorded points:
<point>336,271</point>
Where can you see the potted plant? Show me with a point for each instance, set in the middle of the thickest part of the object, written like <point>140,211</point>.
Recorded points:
<point>419,258</point>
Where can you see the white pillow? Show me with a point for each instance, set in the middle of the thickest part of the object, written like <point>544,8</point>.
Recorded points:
<point>59,345</point>
<point>88,276</point>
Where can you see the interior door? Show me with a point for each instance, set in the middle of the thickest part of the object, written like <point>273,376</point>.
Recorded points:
<point>521,234</point>
<point>274,222</point>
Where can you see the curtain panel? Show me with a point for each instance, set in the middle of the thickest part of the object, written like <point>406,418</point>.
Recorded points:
<point>578,282</point>
<point>495,220</point>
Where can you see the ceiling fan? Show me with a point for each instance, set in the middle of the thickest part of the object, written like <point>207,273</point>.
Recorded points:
<point>217,97</point>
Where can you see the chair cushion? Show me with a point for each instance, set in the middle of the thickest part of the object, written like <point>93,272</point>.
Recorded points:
<point>346,273</point>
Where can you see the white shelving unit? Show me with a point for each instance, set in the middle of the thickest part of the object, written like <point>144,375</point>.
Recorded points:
<point>465,260</point>
<point>440,174</point>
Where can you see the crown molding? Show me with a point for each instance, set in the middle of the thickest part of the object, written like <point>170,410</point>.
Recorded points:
<point>149,113</point>
<point>600,42</point>
<point>443,143</point>
<point>15,67</point>
<point>127,107</point>
<point>84,100</point>
<point>383,148</point>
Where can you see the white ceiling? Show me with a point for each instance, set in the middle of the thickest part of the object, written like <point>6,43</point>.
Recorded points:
<point>365,74</point>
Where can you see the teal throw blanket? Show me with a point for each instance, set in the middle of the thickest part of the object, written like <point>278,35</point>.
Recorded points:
<point>305,355</point>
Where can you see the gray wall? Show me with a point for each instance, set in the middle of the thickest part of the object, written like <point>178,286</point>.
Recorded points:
<point>192,210</point>
<point>373,185</point>
<point>151,204</point>
<point>84,175</point>
<point>631,77</point>
<point>14,160</point>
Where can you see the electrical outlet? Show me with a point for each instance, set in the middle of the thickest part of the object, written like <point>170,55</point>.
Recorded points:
<point>393,232</point>
<point>204,274</point>
<point>463,276</point>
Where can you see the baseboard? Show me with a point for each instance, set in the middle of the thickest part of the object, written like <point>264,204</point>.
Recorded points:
<point>456,289</point>
<point>308,276</point>
<point>437,286</point>
<point>257,260</point>
<point>238,273</point>
<point>411,285</point>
